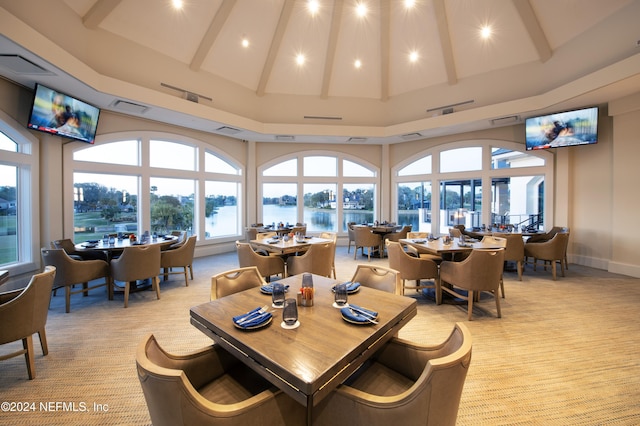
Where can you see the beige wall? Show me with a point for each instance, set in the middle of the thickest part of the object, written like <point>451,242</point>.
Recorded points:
<point>595,185</point>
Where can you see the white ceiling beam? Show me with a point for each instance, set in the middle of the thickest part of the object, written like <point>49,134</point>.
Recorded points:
<point>210,36</point>
<point>531,23</point>
<point>334,32</point>
<point>445,41</point>
<point>276,42</point>
<point>385,48</point>
<point>98,12</point>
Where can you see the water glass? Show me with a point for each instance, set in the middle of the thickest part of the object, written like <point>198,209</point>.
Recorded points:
<point>277,295</point>
<point>341,295</point>
<point>290,312</point>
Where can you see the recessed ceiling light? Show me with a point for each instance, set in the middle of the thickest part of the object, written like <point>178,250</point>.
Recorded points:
<point>357,63</point>
<point>177,4</point>
<point>313,6</point>
<point>361,9</point>
<point>409,3</point>
<point>300,59</point>
<point>413,56</point>
<point>485,31</point>
<point>245,42</point>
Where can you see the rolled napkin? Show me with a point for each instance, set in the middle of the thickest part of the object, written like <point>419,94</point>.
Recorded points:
<point>351,287</point>
<point>254,318</point>
<point>269,288</point>
<point>356,313</point>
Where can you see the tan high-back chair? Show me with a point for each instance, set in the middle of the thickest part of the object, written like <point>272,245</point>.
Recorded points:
<point>333,236</point>
<point>497,241</point>
<point>479,272</point>
<point>414,268</point>
<point>364,238</point>
<point>551,252</point>
<point>209,387</point>
<point>267,265</point>
<point>24,312</point>
<point>514,251</point>
<point>378,277</point>
<point>318,259</point>
<point>137,263</point>
<point>265,235</point>
<point>182,257</point>
<point>67,245</point>
<point>70,272</point>
<point>352,234</point>
<point>235,280</point>
<point>404,384</point>
<point>455,232</point>
<point>399,235</point>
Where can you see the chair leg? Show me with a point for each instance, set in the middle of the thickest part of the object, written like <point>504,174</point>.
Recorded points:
<point>156,286</point>
<point>85,289</point>
<point>520,266</point>
<point>191,271</point>
<point>27,344</point>
<point>127,287</point>
<point>553,270</point>
<point>502,286</point>
<point>109,287</point>
<point>67,299</point>
<point>495,294</point>
<point>186,280</point>
<point>43,342</point>
<point>470,304</point>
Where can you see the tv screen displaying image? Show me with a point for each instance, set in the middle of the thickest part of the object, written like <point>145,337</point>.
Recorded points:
<point>569,128</point>
<point>60,114</point>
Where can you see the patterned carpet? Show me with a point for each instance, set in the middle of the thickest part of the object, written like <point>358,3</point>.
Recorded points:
<point>564,352</point>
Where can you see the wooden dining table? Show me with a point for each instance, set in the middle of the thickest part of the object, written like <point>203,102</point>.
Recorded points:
<point>120,245</point>
<point>310,361</point>
<point>281,247</point>
<point>438,247</point>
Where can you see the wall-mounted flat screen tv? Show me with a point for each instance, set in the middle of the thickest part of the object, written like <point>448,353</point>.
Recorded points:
<point>568,128</point>
<point>60,114</point>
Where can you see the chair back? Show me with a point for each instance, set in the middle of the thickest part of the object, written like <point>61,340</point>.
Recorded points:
<point>554,249</point>
<point>267,265</point>
<point>70,271</point>
<point>299,229</point>
<point>318,259</point>
<point>137,263</point>
<point>251,233</point>
<point>410,267</point>
<point>364,237</point>
<point>455,232</point>
<point>378,277</point>
<point>514,251</point>
<point>480,271</point>
<point>416,235</point>
<point>26,311</point>
<point>495,241</point>
<point>265,235</point>
<point>65,244</point>
<point>181,256</point>
<point>401,234</point>
<point>235,280</point>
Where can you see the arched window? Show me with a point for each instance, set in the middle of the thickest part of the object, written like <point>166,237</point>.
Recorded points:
<point>324,190</point>
<point>476,184</point>
<point>19,216</point>
<point>152,182</point>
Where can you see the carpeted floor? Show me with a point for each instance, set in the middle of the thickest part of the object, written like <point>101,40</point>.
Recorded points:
<point>564,352</point>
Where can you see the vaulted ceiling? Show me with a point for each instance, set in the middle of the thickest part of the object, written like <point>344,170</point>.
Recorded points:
<point>189,67</point>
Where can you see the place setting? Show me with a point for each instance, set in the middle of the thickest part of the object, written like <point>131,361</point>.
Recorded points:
<point>352,313</point>
<point>352,287</point>
<point>254,319</point>
<point>268,289</point>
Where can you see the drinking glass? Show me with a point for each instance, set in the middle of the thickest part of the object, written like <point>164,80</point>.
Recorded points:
<point>277,295</point>
<point>341,295</point>
<point>290,312</point>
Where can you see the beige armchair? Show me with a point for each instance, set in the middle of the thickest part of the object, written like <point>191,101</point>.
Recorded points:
<point>401,234</point>
<point>71,272</point>
<point>378,277</point>
<point>551,252</point>
<point>24,312</point>
<point>209,387</point>
<point>414,268</point>
<point>352,234</point>
<point>137,263</point>
<point>182,257</point>
<point>498,241</point>
<point>235,280</point>
<point>455,232</point>
<point>479,272</point>
<point>318,259</point>
<point>267,265</point>
<point>514,252</point>
<point>404,384</point>
<point>363,237</point>
<point>182,238</point>
<point>333,236</point>
<point>68,246</point>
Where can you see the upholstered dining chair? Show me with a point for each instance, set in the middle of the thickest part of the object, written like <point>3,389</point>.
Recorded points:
<point>209,386</point>
<point>405,384</point>
<point>182,257</point>
<point>378,277</point>
<point>551,252</point>
<point>23,312</point>
<point>351,234</point>
<point>318,259</point>
<point>333,236</point>
<point>497,241</point>
<point>182,238</point>
<point>479,272</point>
<point>267,265</point>
<point>70,272</point>
<point>514,252</point>
<point>455,232</point>
<point>414,269</point>
<point>137,263</point>
<point>401,234</point>
<point>235,280</point>
<point>67,245</point>
<point>364,238</point>
<point>412,251</point>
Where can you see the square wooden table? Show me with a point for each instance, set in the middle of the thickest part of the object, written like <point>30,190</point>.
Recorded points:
<point>308,362</point>
<point>438,247</point>
<point>282,247</point>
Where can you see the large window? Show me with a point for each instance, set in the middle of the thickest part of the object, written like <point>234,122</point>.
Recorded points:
<point>479,185</point>
<point>19,219</point>
<point>156,184</point>
<point>323,190</point>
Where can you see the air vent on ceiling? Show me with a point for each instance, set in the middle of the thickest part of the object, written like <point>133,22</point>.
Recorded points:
<point>226,130</point>
<point>20,65</point>
<point>503,121</point>
<point>411,136</point>
<point>356,139</point>
<point>129,107</point>
<point>321,117</point>
<point>285,138</point>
